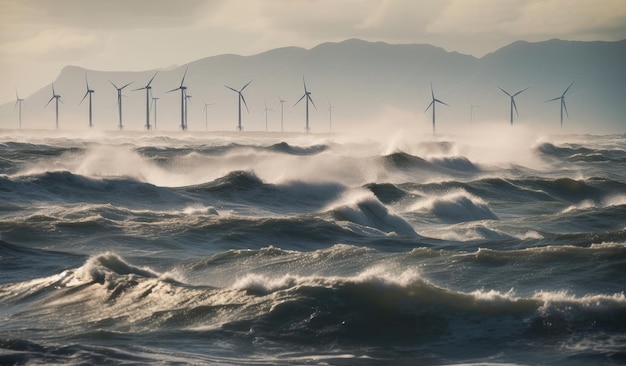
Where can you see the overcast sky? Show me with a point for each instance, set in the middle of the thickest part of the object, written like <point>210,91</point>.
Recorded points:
<point>39,37</point>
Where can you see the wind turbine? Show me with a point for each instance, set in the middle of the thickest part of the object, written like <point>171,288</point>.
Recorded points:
<point>148,88</point>
<point>265,111</point>
<point>205,112</point>
<point>183,101</point>
<point>58,99</point>
<point>563,106</point>
<point>18,103</point>
<point>89,91</point>
<point>472,107</point>
<point>432,104</point>
<point>330,115</point>
<point>307,94</point>
<point>513,105</point>
<point>239,128</point>
<point>119,101</point>
<point>154,101</point>
<point>281,102</point>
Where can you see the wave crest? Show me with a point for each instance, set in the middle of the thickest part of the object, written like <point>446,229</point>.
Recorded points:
<point>457,206</point>
<point>364,209</point>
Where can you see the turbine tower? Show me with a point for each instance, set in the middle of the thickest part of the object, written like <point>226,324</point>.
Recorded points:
<point>183,101</point>
<point>58,99</point>
<point>187,99</point>
<point>119,101</point>
<point>18,103</point>
<point>281,102</point>
<point>307,94</point>
<point>330,115</point>
<point>205,112</point>
<point>154,101</point>
<point>88,92</point>
<point>563,106</point>
<point>265,111</point>
<point>432,104</point>
<point>513,105</point>
<point>148,89</point>
<point>239,128</point>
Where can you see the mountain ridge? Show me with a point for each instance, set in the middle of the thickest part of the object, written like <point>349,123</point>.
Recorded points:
<point>363,79</point>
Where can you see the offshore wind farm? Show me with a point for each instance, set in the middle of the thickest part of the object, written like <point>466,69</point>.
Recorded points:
<point>465,80</point>
<point>483,229</point>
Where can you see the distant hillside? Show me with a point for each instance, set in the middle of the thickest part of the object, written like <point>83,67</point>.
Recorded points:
<point>364,81</point>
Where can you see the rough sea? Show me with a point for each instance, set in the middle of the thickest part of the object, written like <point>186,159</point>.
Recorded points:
<point>126,248</point>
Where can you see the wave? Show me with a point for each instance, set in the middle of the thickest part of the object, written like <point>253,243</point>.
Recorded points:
<point>286,148</point>
<point>530,189</point>
<point>456,206</point>
<point>458,163</point>
<point>581,154</point>
<point>245,186</point>
<point>64,186</point>
<point>164,153</point>
<point>364,209</point>
<point>381,305</point>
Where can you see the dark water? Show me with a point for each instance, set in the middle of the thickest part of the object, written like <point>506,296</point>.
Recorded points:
<point>137,248</point>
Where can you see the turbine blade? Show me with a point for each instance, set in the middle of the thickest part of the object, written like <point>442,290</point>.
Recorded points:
<point>245,86</point>
<point>169,91</point>
<point>81,101</point>
<point>60,100</point>
<point>115,86</point>
<point>553,99</point>
<point>565,92</point>
<point>139,89</point>
<point>514,106</point>
<point>444,103</point>
<point>565,107</point>
<point>304,82</point>
<point>311,99</point>
<point>49,101</point>
<point>233,89</point>
<point>504,91</point>
<point>300,99</point>
<point>432,92</point>
<point>150,82</point>
<point>182,82</point>
<point>17,96</point>
<point>244,102</point>
<point>86,81</point>
<point>53,92</point>
<point>427,108</point>
<point>520,92</point>
<point>126,85</point>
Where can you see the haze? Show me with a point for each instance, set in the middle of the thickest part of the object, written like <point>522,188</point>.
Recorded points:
<point>39,38</point>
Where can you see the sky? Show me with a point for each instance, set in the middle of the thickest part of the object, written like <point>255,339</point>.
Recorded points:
<point>40,37</point>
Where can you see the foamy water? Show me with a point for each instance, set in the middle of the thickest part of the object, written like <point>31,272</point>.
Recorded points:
<point>181,248</point>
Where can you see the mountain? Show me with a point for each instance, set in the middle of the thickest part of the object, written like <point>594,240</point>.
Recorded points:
<point>369,83</point>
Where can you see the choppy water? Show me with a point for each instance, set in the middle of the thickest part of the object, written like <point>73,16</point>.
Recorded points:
<point>140,248</point>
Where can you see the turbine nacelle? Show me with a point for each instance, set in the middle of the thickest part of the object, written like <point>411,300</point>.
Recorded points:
<point>433,103</point>
<point>513,104</point>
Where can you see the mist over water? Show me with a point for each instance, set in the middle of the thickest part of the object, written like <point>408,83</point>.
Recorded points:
<point>495,245</point>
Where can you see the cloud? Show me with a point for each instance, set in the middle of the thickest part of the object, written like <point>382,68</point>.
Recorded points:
<point>49,43</point>
<point>604,19</point>
<point>109,14</point>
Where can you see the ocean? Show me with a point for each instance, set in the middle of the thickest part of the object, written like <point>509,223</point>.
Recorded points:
<point>171,248</point>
